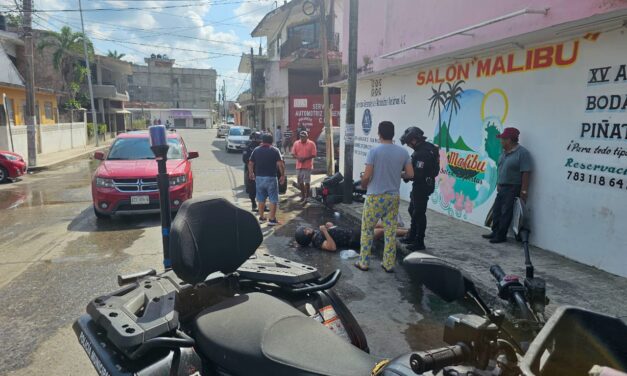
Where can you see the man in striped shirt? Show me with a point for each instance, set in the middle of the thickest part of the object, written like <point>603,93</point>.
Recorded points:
<point>287,140</point>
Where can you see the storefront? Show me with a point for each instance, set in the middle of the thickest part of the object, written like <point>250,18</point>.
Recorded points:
<point>568,97</point>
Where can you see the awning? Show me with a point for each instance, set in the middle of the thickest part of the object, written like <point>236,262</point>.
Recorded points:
<point>122,112</point>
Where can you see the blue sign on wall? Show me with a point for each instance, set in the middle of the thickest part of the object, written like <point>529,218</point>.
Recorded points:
<point>366,121</point>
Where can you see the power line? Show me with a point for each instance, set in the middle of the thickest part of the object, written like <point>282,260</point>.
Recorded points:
<point>134,8</point>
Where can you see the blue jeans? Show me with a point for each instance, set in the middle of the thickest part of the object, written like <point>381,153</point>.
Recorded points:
<point>267,188</point>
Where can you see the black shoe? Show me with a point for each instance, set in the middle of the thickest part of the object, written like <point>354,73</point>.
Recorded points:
<point>407,240</point>
<point>488,236</point>
<point>416,247</point>
<point>497,240</point>
<point>254,208</point>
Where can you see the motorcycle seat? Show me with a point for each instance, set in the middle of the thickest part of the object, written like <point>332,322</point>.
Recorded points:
<point>258,334</point>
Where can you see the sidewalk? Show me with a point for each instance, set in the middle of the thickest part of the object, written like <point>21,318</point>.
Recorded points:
<point>48,160</point>
<point>460,243</point>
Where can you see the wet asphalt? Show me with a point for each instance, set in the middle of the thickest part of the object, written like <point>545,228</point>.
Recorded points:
<point>55,256</point>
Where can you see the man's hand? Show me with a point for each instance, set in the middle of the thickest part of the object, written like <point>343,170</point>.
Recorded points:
<point>251,176</point>
<point>323,228</point>
<point>282,179</point>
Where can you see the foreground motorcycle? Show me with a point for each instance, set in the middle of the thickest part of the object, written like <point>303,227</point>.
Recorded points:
<point>221,309</point>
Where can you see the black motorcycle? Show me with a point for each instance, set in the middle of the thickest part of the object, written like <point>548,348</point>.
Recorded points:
<point>220,308</point>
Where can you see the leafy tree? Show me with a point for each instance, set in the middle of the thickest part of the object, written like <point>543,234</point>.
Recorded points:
<point>66,44</point>
<point>115,54</point>
<point>452,102</point>
<point>492,144</point>
<point>438,99</point>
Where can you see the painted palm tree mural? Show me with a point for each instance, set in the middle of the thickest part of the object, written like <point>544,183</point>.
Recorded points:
<point>438,100</point>
<point>452,100</point>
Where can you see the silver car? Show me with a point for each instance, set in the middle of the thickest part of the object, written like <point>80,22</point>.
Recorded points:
<point>223,130</point>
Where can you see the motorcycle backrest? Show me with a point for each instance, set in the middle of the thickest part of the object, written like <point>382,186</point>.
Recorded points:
<point>444,279</point>
<point>211,235</point>
<point>574,340</point>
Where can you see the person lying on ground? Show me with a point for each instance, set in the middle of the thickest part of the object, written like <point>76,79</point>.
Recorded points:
<point>330,237</point>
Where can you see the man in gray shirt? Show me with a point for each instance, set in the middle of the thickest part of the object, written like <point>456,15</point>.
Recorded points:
<point>514,168</point>
<point>385,164</point>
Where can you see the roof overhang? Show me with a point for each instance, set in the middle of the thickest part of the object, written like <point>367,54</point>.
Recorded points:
<point>273,20</point>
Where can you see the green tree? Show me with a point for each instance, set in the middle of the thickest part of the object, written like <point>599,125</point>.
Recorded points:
<point>66,44</point>
<point>492,144</point>
<point>452,102</point>
<point>438,99</point>
<point>115,54</point>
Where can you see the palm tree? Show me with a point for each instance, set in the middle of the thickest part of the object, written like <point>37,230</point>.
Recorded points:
<point>437,100</point>
<point>452,102</point>
<point>114,54</point>
<point>66,45</point>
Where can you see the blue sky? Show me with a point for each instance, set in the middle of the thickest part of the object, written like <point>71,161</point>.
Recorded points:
<point>197,33</point>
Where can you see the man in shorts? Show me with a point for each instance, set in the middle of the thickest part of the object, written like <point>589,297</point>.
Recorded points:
<point>262,168</point>
<point>304,151</point>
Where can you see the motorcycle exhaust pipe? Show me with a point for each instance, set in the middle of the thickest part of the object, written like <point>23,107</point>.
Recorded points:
<point>159,146</point>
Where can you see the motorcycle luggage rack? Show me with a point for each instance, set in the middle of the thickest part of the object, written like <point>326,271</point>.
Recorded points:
<point>273,269</point>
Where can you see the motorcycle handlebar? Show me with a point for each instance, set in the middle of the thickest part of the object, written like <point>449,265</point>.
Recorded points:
<point>433,360</point>
<point>497,273</point>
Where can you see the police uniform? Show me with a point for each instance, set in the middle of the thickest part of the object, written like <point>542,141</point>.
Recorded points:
<point>423,185</point>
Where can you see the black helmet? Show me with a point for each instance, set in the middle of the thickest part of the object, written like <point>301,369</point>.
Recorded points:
<point>255,136</point>
<point>301,237</point>
<point>412,133</point>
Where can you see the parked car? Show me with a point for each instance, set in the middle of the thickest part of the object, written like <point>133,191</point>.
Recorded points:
<point>12,166</point>
<point>223,130</point>
<point>126,180</point>
<point>238,138</point>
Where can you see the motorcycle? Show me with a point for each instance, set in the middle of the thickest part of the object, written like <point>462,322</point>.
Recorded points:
<point>220,308</point>
<point>331,191</point>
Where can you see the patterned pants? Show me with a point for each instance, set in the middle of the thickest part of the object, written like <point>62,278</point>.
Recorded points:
<point>385,208</point>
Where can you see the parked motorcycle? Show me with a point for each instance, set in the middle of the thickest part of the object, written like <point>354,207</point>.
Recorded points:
<point>331,191</point>
<point>220,308</point>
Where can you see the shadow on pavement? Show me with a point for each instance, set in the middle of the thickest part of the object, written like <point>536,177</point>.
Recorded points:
<point>86,221</point>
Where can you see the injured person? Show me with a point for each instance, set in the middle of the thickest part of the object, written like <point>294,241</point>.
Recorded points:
<point>330,237</point>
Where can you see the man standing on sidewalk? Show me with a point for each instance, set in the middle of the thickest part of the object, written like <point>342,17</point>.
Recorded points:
<point>426,163</point>
<point>514,168</point>
<point>278,137</point>
<point>262,168</point>
<point>287,140</point>
<point>304,151</point>
<point>384,165</point>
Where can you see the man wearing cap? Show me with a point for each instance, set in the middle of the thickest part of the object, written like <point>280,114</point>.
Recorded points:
<point>304,151</point>
<point>514,168</point>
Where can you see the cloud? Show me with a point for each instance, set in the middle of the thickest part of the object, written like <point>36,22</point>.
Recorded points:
<point>250,13</point>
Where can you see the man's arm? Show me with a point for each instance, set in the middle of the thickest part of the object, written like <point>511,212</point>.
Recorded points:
<point>408,171</point>
<point>525,185</point>
<point>281,166</point>
<point>328,244</point>
<point>251,169</point>
<point>365,179</point>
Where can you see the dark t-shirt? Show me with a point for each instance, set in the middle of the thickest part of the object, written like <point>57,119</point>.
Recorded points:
<point>265,158</point>
<point>343,237</point>
<point>512,165</point>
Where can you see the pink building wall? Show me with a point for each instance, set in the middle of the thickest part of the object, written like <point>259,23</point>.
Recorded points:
<point>389,25</point>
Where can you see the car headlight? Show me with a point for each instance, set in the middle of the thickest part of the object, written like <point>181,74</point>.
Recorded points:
<point>104,183</point>
<point>178,180</point>
<point>10,157</point>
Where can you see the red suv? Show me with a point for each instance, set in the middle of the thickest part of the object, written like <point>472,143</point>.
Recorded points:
<point>126,180</point>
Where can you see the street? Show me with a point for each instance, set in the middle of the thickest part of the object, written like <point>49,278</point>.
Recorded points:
<point>55,257</point>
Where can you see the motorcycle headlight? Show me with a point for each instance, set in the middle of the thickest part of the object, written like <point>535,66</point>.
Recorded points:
<point>104,183</point>
<point>178,180</point>
<point>10,157</point>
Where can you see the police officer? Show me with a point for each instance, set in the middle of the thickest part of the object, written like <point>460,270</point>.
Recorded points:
<point>425,160</point>
<point>255,140</point>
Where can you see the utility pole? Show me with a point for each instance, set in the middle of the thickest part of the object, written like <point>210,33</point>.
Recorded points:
<point>91,90</point>
<point>252,86</point>
<point>325,90</point>
<point>349,137</point>
<point>226,120</point>
<point>31,118</point>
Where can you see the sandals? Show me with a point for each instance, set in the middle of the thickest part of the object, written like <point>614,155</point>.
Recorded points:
<point>262,219</point>
<point>361,267</point>
<point>391,270</point>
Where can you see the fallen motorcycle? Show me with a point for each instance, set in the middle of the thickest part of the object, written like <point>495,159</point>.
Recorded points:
<point>221,309</point>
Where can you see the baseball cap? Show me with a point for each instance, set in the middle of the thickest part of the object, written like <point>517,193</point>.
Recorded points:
<point>509,133</point>
<point>304,133</point>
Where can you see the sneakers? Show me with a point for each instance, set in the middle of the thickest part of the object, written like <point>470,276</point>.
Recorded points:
<point>273,222</point>
<point>262,219</point>
<point>488,236</point>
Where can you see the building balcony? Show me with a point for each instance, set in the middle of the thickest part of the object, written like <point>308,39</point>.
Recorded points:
<point>109,92</point>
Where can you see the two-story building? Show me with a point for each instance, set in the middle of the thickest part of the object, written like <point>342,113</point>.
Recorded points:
<point>291,71</point>
<point>465,70</point>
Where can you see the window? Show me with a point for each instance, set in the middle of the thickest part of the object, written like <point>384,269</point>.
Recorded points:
<point>237,131</point>
<point>48,110</point>
<point>139,148</point>
<point>307,34</point>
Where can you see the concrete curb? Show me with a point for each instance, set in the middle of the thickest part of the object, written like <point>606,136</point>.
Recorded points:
<point>78,155</point>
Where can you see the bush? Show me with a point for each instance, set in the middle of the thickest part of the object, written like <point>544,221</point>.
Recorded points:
<point>102,129</point>
<point>138,124</point>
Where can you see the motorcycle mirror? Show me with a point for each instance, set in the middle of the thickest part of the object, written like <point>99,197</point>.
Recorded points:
<point>444,279</point>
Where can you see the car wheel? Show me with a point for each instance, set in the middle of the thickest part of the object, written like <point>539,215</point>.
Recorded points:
<point>100,215</point>
<point>4,174</point>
